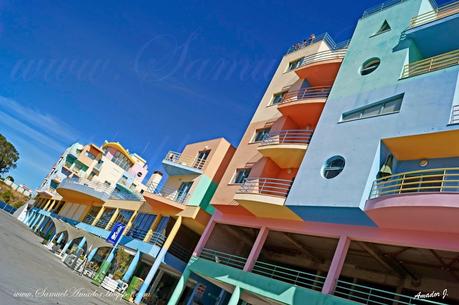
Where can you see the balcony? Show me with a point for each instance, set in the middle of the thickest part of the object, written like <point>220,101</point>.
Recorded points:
<point>177,164</point>
<point>46,192</point>
<point>166,200</point>
<point>81,190</point>
<point>320,69</point>
<point>304,106</point>
<point>434,15</point>
<point>454,115</point>
<point>416,199</point>
<point>265,197</point>
<point>431,64</point>
<point>286,147</point>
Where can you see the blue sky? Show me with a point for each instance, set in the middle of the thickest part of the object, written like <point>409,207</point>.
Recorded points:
<point>153,75</point>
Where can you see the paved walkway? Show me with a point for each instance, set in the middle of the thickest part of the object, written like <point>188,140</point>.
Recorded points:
<point>30,274</point>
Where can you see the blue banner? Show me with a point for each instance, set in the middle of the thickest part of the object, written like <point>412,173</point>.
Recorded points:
<point>116,233</point>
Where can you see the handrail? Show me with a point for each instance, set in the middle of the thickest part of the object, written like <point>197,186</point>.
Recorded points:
<point>157,239</point>
<point>370,295</point>
<point>380,7</point>
<point>295,277</point>
<point>234,261</point>
<point>137,233</point>
<point>429,180</point>
<point>266,186</point>
<point>454,115</point>
<point>291,136</point>
<point>322,56</point>
<point>189,161</point>
<point>436,14</point>
<point>170,193</point>
<point>321,37</point>
<point>180,252</point>
<point>430,64</point>
<point>305,93</point>
<point>95,185</point>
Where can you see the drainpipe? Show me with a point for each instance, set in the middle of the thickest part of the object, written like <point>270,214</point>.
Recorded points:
<point>158,260</point>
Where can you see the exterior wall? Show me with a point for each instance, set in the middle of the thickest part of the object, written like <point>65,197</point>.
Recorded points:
<point>425,108</point>
<point>247,154</point>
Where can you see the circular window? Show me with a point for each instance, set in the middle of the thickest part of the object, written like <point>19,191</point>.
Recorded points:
<point>369,66</point>
<point>333,167</point>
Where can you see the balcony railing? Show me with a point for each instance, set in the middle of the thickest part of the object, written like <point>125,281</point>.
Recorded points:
<point>322,56</point>
<point>373,296</point>
<point>181,159</point>
<point>430,180</point>
<point>266,186</point>
<point>325,37</point>
<point>292,136</point>
<point>454,115</point>
<point>170,193</point>
<point>435,63</point>
<point>292,276</point>
<point>137,233</point>
<point>97,186</point>
<point>224,258</point>
<point>439,13</point>
<point>180,252</point>
<point>157,239</point>
<point>305,93</point>
<point>380,7</point>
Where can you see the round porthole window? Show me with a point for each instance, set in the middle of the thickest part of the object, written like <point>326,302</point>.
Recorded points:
<point>333,167</point>
<point>369,66</point>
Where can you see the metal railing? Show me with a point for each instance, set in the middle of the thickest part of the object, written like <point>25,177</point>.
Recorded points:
<point>288,275</point>
<point>380,7</point>
<point>157,239</point>
<point>291,136</point>
<point>429,180</point>
<point>322,37</point>
<point>95,185</point>
<point>137,233</point>
<point>189,161</point>
<point>170,193</point>
<point>434,63</point>
<point>322,56</point>
<point>224,258</point>
<point>266,186</point>
<point>373,296</point>
<point>454,115</point>
<point>436,14</point>
<point>305,93</point>
<point>180,252</point>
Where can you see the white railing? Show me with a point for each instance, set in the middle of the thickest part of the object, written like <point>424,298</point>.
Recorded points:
<point>170,193</point>
<point>181,159</point>
<point>266,186</point>
<point>292,136</point>
<point>224,258</point>
<point>157,239</point>
<point>313,39</point>
<point>322,56</point>
<point>305,93</point>
<point>95,185</point>
<point>454,115</point>
<point>436,14</point>
<point>431,64</point>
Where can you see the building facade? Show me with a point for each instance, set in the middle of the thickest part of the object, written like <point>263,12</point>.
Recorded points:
<point>361,207</point>
<point>162,225</point>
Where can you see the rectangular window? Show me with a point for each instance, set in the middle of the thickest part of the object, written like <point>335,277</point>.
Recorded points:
<point>391,105</point>
<point>294,64</point>
<point>277,98</point>
<point>260,134</point>
<point>241,175</point>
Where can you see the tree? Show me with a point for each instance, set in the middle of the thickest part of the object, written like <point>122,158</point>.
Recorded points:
<point>8,155</point>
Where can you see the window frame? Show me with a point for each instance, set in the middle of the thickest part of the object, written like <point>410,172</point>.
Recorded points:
<point>256,132</point>
<point>237,171</point>
<point>290,67</point>
<point>273,97</point>
<point>381,104</point>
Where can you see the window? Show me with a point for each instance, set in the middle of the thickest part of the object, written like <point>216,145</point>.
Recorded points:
<point>121,160</point>
<point>277,98</point>
<point>90,155</point>
<point>369,66</point>
<point>241,175</point>
<point>333,167</point>
<point>261,134</point>
<point>294,64</point>
<point>385,27</point>
<point>391,105</point>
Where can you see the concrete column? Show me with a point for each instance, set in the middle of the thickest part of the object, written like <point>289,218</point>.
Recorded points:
<point>60,237</point>
<point>36,221</point>
<point>129,224</point>
<point>130,271</point>
<point>67,245</point>
<point>158,260</point>
<point>336,265</point>
<point>91,254</point>
<point>96,220</point>
<point>256,249</point>
<point>47,204</point>
<point>81,244</point>
<point>52,239</point>
<point>52,205</point>
<point>175,297</point>
<point>112,220</point>
<point>153,227</point>
<point>204,237</point>
<point>235,296</point>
